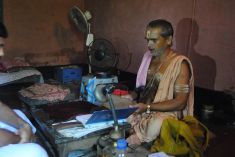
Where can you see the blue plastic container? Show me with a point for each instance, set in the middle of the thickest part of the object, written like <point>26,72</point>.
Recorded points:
<point>68,74</point>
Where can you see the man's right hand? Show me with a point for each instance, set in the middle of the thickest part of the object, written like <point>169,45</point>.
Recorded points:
<point>25,133</point>
<point>127,96</point>
<point>141,107</point>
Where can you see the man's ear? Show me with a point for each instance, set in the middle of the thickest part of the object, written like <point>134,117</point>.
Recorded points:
<point>169,40</point>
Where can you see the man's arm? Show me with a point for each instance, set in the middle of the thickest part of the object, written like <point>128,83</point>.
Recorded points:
<point>7,137</point>
<point>10,117</point>
<point>180,98</point>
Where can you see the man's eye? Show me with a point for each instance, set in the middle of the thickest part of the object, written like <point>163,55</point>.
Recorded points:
<point>153,40</point>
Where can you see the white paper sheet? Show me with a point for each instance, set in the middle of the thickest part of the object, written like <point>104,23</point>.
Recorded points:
<point>78,132</point>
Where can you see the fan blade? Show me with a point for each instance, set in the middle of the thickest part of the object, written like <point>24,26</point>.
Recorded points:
<point>78,19</point>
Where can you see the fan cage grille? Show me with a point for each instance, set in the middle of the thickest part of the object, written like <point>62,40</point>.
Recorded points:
<point>102,56</point>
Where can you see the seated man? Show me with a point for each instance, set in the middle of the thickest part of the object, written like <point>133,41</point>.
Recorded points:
<point>15,135</point>
<point>15,129</point>
<point>166,80</point>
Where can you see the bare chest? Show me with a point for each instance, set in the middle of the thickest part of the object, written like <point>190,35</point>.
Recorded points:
<point>156,68</point>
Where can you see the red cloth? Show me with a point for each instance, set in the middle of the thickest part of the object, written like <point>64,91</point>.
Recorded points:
<point>120,92</point>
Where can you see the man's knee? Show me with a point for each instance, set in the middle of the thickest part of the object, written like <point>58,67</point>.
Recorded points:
<point>25,150</point>
<point>37,150</point>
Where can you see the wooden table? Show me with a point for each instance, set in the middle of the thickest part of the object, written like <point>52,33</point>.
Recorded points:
<point>44,116</point>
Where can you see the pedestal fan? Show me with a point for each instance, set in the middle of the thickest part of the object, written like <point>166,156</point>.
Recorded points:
<point>102,59</point>
<point>80,20</point>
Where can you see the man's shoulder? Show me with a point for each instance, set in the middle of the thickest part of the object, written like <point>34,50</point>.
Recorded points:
<point>180,57</point>
<point>178,54</point>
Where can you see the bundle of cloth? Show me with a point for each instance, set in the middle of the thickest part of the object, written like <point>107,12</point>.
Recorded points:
<point>185,137</point>
<point>47,92</point>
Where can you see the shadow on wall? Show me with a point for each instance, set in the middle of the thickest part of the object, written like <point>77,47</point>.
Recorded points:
<point>204,66</point>
<point>124,54</point>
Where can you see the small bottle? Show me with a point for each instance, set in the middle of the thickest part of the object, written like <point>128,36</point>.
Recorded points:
<point>121,148</point>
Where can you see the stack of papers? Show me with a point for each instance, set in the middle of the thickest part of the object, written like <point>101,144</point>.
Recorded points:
<point>78,132</point>
<point>98,120</point>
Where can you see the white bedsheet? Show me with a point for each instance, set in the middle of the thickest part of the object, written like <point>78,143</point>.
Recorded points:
<point>14,76</point>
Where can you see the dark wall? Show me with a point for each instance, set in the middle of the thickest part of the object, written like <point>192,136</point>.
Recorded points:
<point>204,31</point>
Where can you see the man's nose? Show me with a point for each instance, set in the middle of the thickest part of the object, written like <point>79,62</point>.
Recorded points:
<point>1,52</point>
<point>150,44</point>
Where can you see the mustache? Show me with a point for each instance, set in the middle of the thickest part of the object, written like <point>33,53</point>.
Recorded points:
<point>157,52</point>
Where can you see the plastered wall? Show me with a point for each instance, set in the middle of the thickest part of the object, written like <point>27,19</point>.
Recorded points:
<point>41,32</point>
<point>204,31</point>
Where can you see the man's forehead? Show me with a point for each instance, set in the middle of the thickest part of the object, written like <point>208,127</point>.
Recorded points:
<point>152,34</point>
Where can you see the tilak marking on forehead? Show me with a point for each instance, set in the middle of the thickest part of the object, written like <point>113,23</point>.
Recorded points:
<point>151,35</point>
<point>148,34</point>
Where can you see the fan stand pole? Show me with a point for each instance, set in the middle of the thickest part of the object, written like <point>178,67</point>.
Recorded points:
<point>89,65</point>
<point>116,133</point>
<point>89,41</point>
